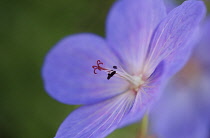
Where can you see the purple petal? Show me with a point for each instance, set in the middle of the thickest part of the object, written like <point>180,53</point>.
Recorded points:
<point>203,95</point>
<point>176,116</point>
<point>202,51</point>
<point>96,120</point>
<point>129,29</point>
<point>172,35</point>
<point>68,73</point>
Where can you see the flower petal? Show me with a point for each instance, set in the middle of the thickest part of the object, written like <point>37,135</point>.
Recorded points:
<point>203,48</point>
<point>172,35</point>
<point>96,120</point>
<point>176,116</point>
<point>68,74</point>
<point>129,29</point>
<point>203,92</point>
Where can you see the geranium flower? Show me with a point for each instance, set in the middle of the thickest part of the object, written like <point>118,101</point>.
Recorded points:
<point>118,77</point>
<point>184,109</point>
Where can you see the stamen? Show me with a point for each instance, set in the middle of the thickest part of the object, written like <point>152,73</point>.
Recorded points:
<point>115,67</point>
<point>111,74</point>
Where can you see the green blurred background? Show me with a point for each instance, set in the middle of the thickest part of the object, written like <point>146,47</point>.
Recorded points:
<point>29,28</point>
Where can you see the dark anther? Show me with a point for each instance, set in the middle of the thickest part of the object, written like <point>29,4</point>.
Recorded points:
<point>111,74</point>
<point>115,67</point>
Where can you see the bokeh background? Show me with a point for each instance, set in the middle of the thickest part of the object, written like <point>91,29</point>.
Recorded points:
<point>29,28</point>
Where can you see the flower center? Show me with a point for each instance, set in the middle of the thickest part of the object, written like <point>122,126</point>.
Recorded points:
<point>135,81</point>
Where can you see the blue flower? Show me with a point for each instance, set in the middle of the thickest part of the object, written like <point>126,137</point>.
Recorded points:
<point>118,77</point>
<point>176,115</point>
<point>184,109</point>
